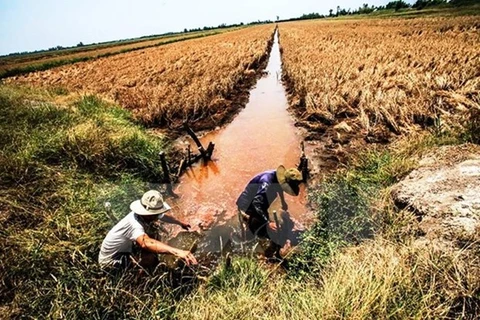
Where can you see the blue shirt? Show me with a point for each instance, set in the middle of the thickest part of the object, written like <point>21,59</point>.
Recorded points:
<point>259,194</point>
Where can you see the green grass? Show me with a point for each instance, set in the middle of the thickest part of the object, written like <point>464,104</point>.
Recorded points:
<point>58,164</point>
<point>378,279</point>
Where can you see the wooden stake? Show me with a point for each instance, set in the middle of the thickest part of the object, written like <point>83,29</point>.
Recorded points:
<point>180,167</point>
<point>303,165</point>
<point>195,139</point>
<point>210,148</point>
<point>166,174</point>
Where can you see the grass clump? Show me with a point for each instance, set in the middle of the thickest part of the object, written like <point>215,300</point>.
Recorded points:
<point>58,162</point>
<point>343,217</point>
<point>243,273</point>
<point>377,279</point>
<point>354,204</point>
<point>89,135</point>
<point>383,279</point>
<point>361,254</point>
<point>235,291</point>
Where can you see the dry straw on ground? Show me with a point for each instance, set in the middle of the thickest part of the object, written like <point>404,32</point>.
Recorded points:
<point>376,77</point>
<point>164,85</point>
<point>15,63</point>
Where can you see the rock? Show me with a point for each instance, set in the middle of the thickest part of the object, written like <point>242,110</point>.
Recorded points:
<point>445,193</point>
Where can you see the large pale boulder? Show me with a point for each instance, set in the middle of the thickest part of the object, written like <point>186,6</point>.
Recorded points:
<point>444,192</point>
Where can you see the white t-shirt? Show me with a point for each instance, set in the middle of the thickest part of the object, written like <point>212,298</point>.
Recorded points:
<point>120,238</point>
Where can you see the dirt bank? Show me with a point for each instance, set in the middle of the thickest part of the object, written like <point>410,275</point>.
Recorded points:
<point>444,193</point>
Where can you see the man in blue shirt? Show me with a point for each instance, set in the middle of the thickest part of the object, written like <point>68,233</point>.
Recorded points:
<point>259,194</point>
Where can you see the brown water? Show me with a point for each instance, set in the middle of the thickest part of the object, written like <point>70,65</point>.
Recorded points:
<point>261,137</point>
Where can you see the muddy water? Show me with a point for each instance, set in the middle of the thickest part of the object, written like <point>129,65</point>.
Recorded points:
<point>261,137</point>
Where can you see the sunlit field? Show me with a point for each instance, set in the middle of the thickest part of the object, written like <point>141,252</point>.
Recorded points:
<point>188,80</point>
<point>16,64</point>
<point>378,77</point>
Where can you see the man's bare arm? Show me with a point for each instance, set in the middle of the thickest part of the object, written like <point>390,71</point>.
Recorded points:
<point>169,219</point>
<point>155,246</point>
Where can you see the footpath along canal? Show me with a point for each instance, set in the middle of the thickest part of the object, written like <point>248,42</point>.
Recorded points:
<point>261,137</point>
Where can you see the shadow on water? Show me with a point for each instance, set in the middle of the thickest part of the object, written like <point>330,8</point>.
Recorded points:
<point>261,137</point>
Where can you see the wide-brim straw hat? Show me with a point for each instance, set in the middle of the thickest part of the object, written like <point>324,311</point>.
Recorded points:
<point>289,180</point>
<point>151,204</point>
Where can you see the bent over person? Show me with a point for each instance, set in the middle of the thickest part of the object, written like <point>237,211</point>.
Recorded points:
<point>117,247</point>
<point>259,194</point>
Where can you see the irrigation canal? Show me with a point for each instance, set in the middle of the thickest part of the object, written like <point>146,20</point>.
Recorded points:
<point>261,137</point>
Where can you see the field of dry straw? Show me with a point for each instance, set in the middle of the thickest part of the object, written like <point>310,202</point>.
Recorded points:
<point>188,80</point>
<point>378,77</point>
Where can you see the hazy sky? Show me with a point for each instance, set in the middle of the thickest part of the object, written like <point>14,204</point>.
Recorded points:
<point>27,25</point>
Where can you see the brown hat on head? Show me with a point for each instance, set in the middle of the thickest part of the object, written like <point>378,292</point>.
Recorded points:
<point>289,180</point>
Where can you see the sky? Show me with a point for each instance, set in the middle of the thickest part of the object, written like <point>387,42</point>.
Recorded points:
<point>28,25</point>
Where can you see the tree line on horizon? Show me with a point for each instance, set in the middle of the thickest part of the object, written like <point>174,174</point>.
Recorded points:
<point>392,5</point>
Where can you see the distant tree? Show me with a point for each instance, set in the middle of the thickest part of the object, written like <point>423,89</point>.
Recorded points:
<point>397,5</point>
<point>278,18</point>
<point>313,15</point>
<point>331,12</point>
<point>420,4</point>
<point>365,9</point>
<point>80,44</point>
<point>459,3</point>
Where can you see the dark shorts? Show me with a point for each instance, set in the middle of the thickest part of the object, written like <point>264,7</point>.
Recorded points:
<point>256,225</point>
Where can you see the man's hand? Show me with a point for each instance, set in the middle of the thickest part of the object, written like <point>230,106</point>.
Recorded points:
<point>284,206</point>
<point>169,219</point>
<point>187,256</point>
<point>273,226</point>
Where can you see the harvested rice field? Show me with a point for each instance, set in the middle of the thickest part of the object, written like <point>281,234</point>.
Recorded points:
<point>190,80</point>
<point>372,80</point>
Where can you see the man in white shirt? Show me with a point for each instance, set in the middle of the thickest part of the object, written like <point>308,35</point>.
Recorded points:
<point>116,250</point>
